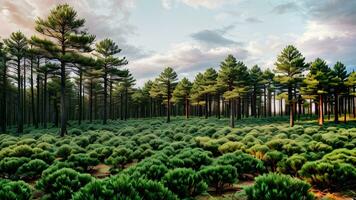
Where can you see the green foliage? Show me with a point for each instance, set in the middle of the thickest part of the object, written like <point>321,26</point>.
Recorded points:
<point>82,162</point>
<point>64,151</point>
<point>292,164</point>
<point>124,187</point>
<point>9,165</point>
<point>243,163</point>
<point>219,176</point>
<point>62,183</point>
<point>32,169</point>
<point>14,190</point>
<point>184,182</point>
<point>278,187</point>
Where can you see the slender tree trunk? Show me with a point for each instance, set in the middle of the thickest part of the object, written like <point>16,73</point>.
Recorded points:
<point>336,107</point>
<point>186,108</point>
<point>80,110</point>
<point>63,130</point>
<point>126,103</point>
<point>321,110</point>
<point>45,101</point>
<point>19,99</point>
<point>232,113</point>
<point>291,107</point>
<point>91,101</point>
<point>122,106</point>
<point>24,107</point>
<point>105,95</point>
<point>4,99</point>
<point>32,94</point>
<point>168,102</point>
<point>206,106</point>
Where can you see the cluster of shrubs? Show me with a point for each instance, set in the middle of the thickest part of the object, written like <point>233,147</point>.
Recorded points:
<point>179,160</point>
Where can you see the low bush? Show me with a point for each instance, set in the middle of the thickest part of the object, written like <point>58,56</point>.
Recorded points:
<point>124,187</point>
<point>64,151</point>
<point>325,174</point>
<point>278,187</point>
<point>32,169</point>
<point>9,166</point>
<point>184,182</point>
<point>271,159</point>
<point>218,176</point>
<point>82,162</point>
<point>292,164</point>
<point>14,190</point>
<point>62,183</point>
<point>244,163</point>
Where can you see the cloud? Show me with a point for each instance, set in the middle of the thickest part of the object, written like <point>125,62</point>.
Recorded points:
<point>330,31</point>
<point>209,4</point>
<point>285,8</point>
<point>185,58</point>
<point>253,20</point>
<point>102,18</point>
<point>214,37</point>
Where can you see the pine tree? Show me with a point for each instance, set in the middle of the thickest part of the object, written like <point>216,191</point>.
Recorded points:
<point>3,86</point>
<point>65,36</point>
<point>17,45</point>
<point>289,68</point>
<point>227,76</point>
<point>256,83</point>
<point>317,81</point>
<point>209,88</point>
<point>182,93</point>
<point>338,77</point>
<point>107,49</point>
<point>167,81</point>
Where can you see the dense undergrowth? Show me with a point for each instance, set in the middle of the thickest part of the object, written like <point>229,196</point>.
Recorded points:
<point>183,159</point>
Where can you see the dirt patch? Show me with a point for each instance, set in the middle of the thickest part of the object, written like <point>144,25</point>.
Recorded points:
<point>101,171</point>
<point>335,196</point>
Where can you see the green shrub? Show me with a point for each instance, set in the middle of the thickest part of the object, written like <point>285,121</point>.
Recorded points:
<point>22,151</point>
<point>124,187</point>
<point>231,146</point>
<point>32,169</point>
<point>278,187</point>
<point>9,165</point>
<point>193,158</point>
<point>14,190</point>
<point>45,156</point>
<point>292,164</point>
<point>120,157</point>
<point>244,163</point>
<point>184,182</point>
<point>218,176</point>
<point>324,174</point>
<point>62,184</point>
<point>64,151</point>
<point>82,162</point>
<point>152,169</point>
<point>271,159</point>
<point>75,131</point>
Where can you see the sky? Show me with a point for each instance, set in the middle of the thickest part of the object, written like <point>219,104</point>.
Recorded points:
<point>193,35</point>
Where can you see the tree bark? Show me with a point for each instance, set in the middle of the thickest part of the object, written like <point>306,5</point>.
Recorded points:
<point>321,110</point>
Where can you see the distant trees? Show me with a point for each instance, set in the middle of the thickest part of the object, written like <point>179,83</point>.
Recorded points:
<point>107,49</point>
<point>60,75</point>
<point>167,80</point>
<point>289,68</point>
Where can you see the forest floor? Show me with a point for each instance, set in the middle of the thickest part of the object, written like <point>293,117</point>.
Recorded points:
<point>209,135</point>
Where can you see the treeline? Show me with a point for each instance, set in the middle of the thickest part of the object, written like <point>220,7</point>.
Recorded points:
<point>64,74</point>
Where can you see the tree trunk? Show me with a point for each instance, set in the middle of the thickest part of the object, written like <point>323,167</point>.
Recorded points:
<point>321,110</point>
<point>4,99</point>
<point>186,108</point>
<point>63,130</point>
<point>19,99</point>
<point>232,113</point>
<point>105,95</point>
<point>168,102</point>
<point>45,101</point>
<point>80,109</point>
<point>91,101</point>
<point>290,107</point>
